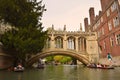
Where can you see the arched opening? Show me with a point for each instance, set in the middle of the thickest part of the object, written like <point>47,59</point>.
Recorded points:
<point>47,45</point>
<point>58,60</point>
<point>83,59</point>
<point>71,43</point>
<point>58,42</point>
<point>81,44</point>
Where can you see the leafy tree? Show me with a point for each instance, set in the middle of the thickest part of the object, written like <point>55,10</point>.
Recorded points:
<point>21,13</point>
<point>66,59</point>
<point>58,57</point>
<point>26,35</point>
<point>49,58</point>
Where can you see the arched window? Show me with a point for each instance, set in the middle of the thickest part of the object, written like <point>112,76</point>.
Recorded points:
<point>71,43</point>
<point>47,43</point>
<point>81,44</point>
<point>58,42</point>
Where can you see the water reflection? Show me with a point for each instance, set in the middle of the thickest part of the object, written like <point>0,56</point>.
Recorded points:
<point>62,72</point>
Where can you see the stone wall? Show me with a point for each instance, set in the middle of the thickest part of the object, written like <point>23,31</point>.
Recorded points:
<point>5,62</point>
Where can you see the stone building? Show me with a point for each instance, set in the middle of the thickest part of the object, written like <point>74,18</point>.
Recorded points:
<point>79,41</point>
<point>107,26</point>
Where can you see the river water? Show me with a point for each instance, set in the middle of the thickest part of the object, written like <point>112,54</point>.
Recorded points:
<point>62,72</point>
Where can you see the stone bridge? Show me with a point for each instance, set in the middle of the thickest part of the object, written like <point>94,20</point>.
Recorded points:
<point>78,44</point>
<point>82,57</point>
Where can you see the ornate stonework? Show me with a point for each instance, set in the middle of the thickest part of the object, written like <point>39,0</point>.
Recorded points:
<point>85,42</point>
<point>79,42</point>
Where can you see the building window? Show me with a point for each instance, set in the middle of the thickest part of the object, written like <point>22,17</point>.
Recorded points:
<point>104,45</point>
<point>101,19</point>
<point>109,25</point>
<point>100,32</point>
<point>98,23</point>
<point>113,7</point>
<point>116,21</point>
<point>108,12</point>
<point>47,43</point>
<point>71,43</point>
<point>59,42</point>
<point>111,42</point>
<point>118,39</point>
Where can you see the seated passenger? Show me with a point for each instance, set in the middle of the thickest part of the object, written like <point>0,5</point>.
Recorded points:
<point>99,65</point>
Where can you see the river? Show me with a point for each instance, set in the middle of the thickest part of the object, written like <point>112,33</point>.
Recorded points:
<point>62,72</point>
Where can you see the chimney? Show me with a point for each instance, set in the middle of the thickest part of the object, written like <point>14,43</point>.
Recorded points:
<point>64,27</point>
<point>86,24</point>
<point>100,12</point>
<point>92,15</point>
<point>52,27</point>
<point>80,26</point>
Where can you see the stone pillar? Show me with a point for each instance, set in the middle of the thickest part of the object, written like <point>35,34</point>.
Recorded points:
<point>76,43</point>
<point>52,46</point>
<point>83,44</point>
<point>80,44</point>
<point>65,42</point>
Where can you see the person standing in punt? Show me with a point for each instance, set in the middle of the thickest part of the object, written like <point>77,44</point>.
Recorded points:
<point>109,57</point>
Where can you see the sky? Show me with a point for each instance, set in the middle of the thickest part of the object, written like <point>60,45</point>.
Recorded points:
<point>68,12</point>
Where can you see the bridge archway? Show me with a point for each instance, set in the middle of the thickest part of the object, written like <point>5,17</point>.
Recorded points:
<point>82,58</point>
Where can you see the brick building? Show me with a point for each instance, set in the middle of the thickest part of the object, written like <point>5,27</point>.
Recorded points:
<point>107,26</point>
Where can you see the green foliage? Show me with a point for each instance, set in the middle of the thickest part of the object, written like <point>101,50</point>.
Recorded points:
<point>21,13</point>
<point>27,36</point>
<point>65,59</point>
<point>23,41</point>
<point>49,58</point>
<point>59,58</point>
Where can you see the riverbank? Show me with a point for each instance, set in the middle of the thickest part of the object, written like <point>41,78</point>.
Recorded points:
<point>115,61</point>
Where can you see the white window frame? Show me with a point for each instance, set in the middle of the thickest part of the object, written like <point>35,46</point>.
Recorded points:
<point>118,39</point>
<point>113,7</point>
<point>104,45</point>
<point>116,21</point>
<point>101,19</point>
<point>108,12</point>
<point>109,25</point>
<point>111,41</point>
